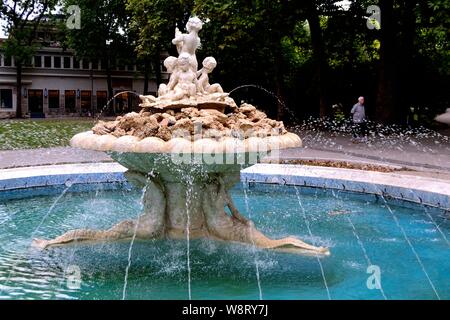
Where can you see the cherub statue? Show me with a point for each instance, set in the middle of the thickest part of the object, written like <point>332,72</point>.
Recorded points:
<point>203,86</point>
<point>189,42</point>
<point>170,63</point>
<point>183,82</point>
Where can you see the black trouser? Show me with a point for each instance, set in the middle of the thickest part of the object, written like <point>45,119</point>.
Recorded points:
<point>359,129</point>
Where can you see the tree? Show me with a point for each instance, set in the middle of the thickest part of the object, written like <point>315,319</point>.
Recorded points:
<point>152,24</point>
<point>246,38</point>
<point>103,34</point>
<point>414,53</point>
<point>23,18</point>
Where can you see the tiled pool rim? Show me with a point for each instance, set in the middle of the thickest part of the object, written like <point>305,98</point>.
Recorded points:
<point>421,190</point>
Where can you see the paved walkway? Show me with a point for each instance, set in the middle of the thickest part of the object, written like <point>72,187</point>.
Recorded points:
<point>48,156</point>
<point>427,152</point>
<point>425,156</point>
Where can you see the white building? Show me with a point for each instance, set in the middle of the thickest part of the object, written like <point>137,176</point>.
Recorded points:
<point>56,83</point>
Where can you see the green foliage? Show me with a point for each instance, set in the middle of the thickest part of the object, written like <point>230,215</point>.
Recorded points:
<point>101,20</point>
<point>247,36</point>
<point>432,40</point>
<point>23,18</point>
<point>298,49</point>
<point>153,23</point>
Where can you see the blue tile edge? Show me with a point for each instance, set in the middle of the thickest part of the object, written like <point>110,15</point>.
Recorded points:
<point>428,198</point>
<point>60,179</point>
<point>416,196</point>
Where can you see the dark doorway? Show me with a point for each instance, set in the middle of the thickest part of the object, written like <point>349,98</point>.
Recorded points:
<point>6,98</point>
<point>70,101</point>
<point>86,105</point>
<point>36,103</point>
<point>53,99</point>
<point>101,101</point>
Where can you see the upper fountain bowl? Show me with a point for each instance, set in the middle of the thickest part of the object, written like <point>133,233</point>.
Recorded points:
<point>189,136</point>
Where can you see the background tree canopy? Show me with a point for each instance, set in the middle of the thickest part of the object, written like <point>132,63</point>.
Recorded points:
<point>310,54</point>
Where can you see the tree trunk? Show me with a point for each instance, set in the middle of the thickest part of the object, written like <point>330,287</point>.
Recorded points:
<point>405,74</point>
<point>157,67</point>
<point>19,89</point>
<point>109,82</point>
<point>279,88</point>
<point>386,107</point>
<point>318,57</point>
<point>146,72</point>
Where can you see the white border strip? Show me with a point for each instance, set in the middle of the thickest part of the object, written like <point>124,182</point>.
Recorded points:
<point>429,191</point>
<point>20,178</point>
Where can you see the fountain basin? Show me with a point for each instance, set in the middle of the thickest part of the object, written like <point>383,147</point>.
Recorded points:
<point>219,270</point>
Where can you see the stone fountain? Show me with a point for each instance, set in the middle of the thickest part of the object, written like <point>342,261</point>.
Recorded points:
<point>185,149</point>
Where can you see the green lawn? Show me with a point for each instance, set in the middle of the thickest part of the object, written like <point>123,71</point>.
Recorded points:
<point>42,133</point>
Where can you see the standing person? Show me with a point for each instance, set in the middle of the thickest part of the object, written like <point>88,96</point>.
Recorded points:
<point>359,118</point>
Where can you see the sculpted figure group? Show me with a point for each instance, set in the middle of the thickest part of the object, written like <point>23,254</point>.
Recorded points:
<point>186,81</point>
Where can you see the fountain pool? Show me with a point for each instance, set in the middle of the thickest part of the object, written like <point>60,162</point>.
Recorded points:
<point>359,229</point>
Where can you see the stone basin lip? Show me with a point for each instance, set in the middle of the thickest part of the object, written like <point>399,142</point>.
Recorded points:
<point>419,190</point>
<point>127,143</point>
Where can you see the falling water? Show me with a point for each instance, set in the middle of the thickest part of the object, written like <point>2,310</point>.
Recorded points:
<point>74,248</point>
<point>110,100</point>
<point>432,220</point>
<point>255,254</point>
<point>361,244</point>
<point>189,194</point>
<point>311,235</point>
<point>130,249</point>
<point>280,102</point>
<point>410,244</point>
<point>50,210</point>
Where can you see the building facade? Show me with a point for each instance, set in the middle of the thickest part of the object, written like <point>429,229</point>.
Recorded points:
<point>55,83</point>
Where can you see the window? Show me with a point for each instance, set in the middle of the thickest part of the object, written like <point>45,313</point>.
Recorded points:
<point>57,62</point>
<point>70,100</point>
<point>6,98</point>
<point>85,64</point>
<point>101,100</point>
<point>95,65</point>
<point>7,61</point>
<point>53,99</point>
<point>37,61</point>
<point>47,62</point>
<point>76,63</point>
<point>28,62</point>
<point>66,62</point>
<point>35,101</point>
<point>103,64</point>
<point>85,101</point>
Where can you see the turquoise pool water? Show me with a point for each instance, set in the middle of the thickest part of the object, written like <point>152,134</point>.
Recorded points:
<point>412,256</point>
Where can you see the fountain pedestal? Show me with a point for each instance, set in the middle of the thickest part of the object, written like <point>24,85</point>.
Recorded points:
<point>183,202</point>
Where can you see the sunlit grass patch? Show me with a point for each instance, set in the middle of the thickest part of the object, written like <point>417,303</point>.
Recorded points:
<point>42,133</point>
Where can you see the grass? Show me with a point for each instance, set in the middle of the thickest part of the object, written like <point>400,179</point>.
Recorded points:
<point>41,133</point>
